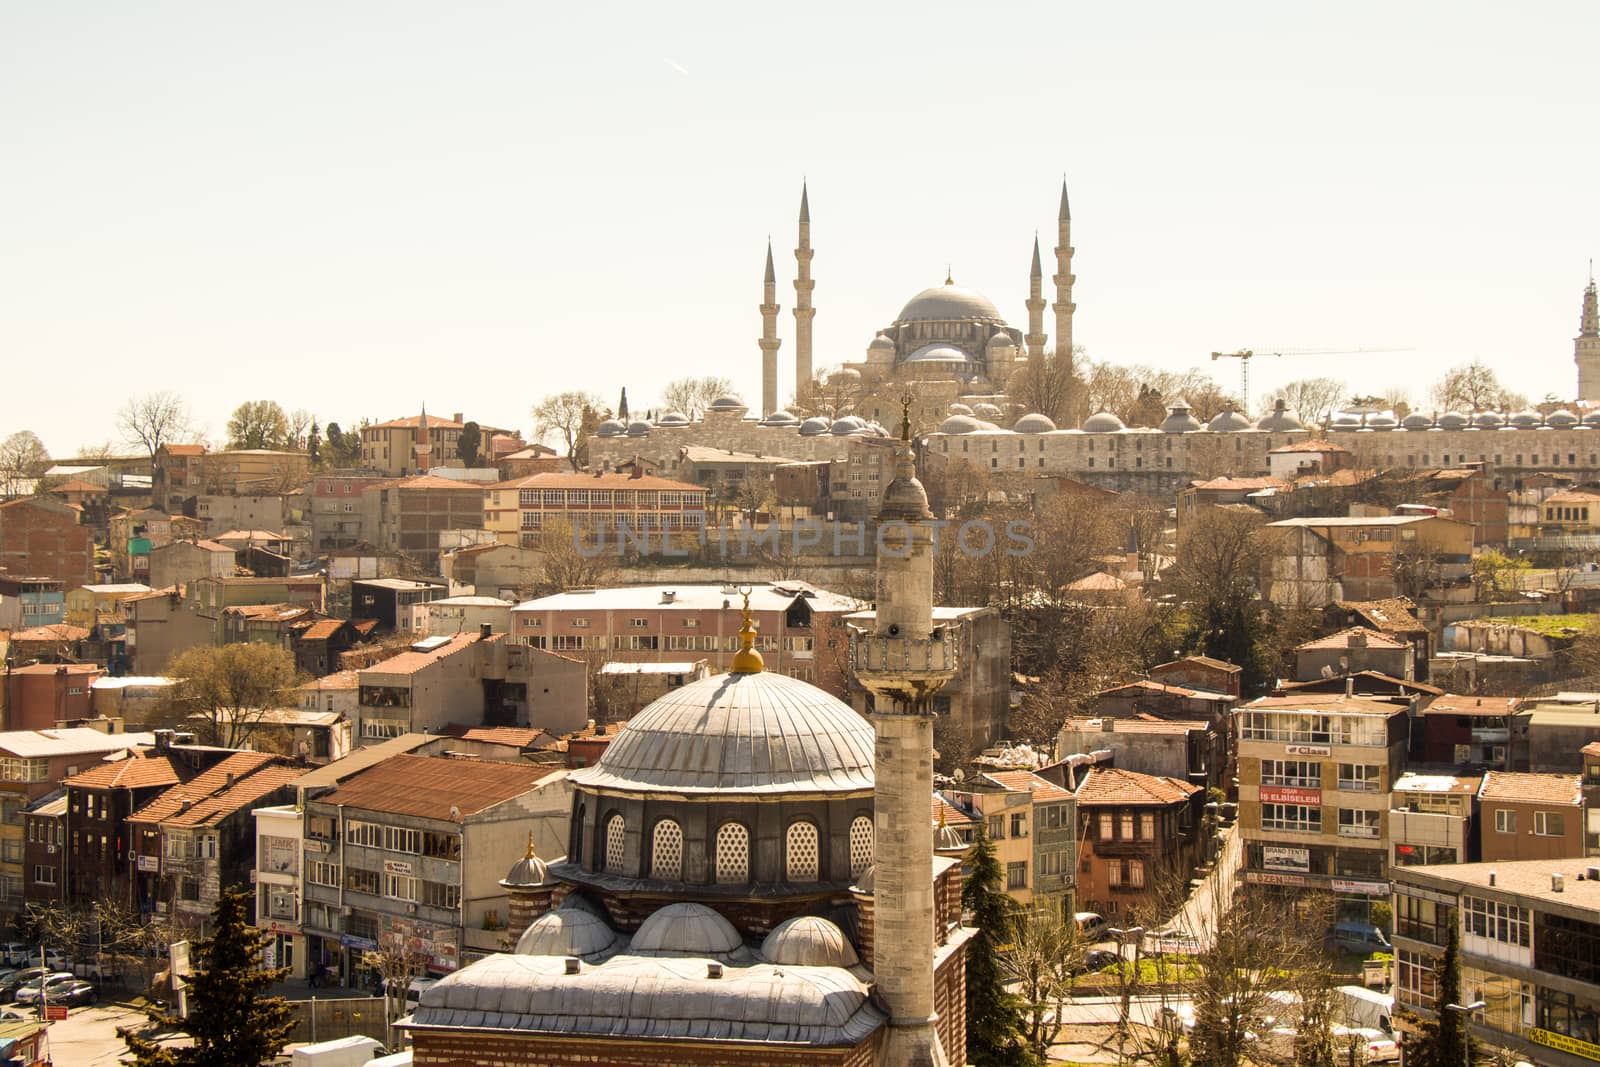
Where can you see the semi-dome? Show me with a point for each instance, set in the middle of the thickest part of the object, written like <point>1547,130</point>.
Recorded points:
<point>760,732</point>
<point>1281,419</point>
<point>1228,420</point>
<point>611,428</point>
<point>1452,420</point>
<point>960,424</point>
<point>1033,422</point>
<point>1561,420</point>
<point>1103,422</point>
<point>1487,420</point>
<point>673,418</point>
<point>685,930</point>
<point>987,411</point>
<point>809,941</point>
<point>1526,420</point>
<point>948,302</point>
<point>1179,419</point>
<point>958,408</point>
<point>813,426</point>
<point>638,428</point>
<point>937,352</point>
<point>1417,421</point>
<point>570,930</point>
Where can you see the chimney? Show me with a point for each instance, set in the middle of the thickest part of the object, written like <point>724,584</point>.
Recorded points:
<point>1349,685</point>
<point>1358,639</point>
<point>484,630</point>
<point>1491,878</point>
<point>668,596</point>
<point>573,964</point>
<point>713,969</point>
<point>163,740</point>
<point>457,418</point>
<point>1558,883</point>
<point>1108,725</point>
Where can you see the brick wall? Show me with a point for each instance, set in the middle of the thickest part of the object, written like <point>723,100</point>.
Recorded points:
<point>44,539</point>
<point>487,1049</point>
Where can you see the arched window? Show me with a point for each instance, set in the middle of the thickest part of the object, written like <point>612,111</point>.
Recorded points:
<point>614,850</point>
<point>733,854</point>
<point>801,852</point>
<point>666,851</point>
<point>860,844</point>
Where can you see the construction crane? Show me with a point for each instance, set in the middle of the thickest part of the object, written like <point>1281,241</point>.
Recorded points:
<point>1245,355</point>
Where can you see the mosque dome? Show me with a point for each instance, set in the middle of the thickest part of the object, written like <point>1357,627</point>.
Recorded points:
<point>1561,420</point>
<point>780,418</point>
<point>1381,420</point>
<point>960,424</point>
<point>1526,420</point>
<point>809,941</point>
<point>1179,419</point>
<point>1592,420</point>
<point>1487,420</point>
<point>958,408</point>
<point>813,427</point>
<point>1104,422</point>
<point>938,352</point>
<point>1344,420</point>
<point>987,411</point>
<point>947,838</point>
<point>638,428</point>
<point>1034,423</point>
<point>846,425</point>
<point>882,342</point>
<point>1281,419</point>
<point>1452,420</point>
<point>759,732</point>
<point>845,376</point>
<point>611,428</point>
<point>573,929</point>
<point>1417,421</point>
<point>726,403</point>
<point>1000,340</point>
<point>1228,420</point>
<point>673,418</point>
<point>529,872</point>
<point>685,929</point>
<point>948,302</point>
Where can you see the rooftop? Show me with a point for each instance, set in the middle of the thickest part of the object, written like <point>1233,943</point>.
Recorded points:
<point>402,585</point>
<point>1454,704</point>
<point>239,781</point>
<point>1327,703</point>
<point>322,629</point>
<point>68,741</point>
<point>445,789</point>
<point>1309,446</point>
<point>1361,520</point>
<point>600,480</point>
<point>363,758</point>
<point>411,662</point>
<point>640,667</point>
<point>1162,688</point>
<point>1392,614</point>
<point>1351,638</point>
<point>250,535</point>
<point>1412,782</point>
<point>1227,484</point>
<point>1028,782</point>
<point>56,631</point>
<point>764,596</point>
<point>1522,787</point>
<point>339,680</point>
<point>411,422</point>
<point>118,588</point>
<point>1108,785</point>
<point>1133,726</point>
<point>1199,661</point>
<point>953,816</point>
<point>1527,878</point>
<point>138,771</point>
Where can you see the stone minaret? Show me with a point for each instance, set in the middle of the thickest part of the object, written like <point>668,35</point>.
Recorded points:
<point>903,662</point>
<point>1036,338</point>
<point>803,311</point>
<point>422,449</point>
<point>769,339</point>
<point>1586,347</point>
<point>1064,307</point>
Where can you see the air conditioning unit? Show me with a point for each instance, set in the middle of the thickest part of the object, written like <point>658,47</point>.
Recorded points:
<point>346,910</point>
<point>411,909</point>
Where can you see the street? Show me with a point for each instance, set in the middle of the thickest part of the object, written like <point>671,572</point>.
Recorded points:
<point>88,1036</point>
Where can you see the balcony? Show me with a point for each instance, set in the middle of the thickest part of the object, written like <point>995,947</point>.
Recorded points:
<point>872,653</point>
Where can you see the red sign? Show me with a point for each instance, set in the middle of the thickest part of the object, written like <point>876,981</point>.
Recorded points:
<point>55,1011</point>
<point>1278,794</point>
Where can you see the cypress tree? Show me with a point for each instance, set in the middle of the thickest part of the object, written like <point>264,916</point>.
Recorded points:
<point>1443,1040</point>
<point>994,1016</point>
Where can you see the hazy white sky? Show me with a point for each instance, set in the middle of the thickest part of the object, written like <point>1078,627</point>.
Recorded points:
<point>359,207</point>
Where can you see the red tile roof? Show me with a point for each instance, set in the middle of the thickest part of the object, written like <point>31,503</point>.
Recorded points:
<point>1375,639</point>
<point>953,816</point>
<point>1134,726</point>
<point>432,787</point>
<point>1203,661</point>
<point>433,481</point>
<point>411,422</point>
<point>56,631</point>
<point>1514,786</point>
<point>239,781</point>
<point>322,630</point>
<point>604,480</point>
<point>1027,781</point>
<point>1591,749</point>
<point>1249,485</point>
<point>1392,615</point>
<point>409,662</point>
<point>136,771</point>
<point>1109,785</point>
<point>184,450</point>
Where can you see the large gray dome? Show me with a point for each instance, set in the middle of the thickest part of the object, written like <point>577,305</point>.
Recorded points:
<point>1179,419</point>
<point>1228,420</point>
<point>685,930</point>
<point>949,302</point>
<point>1034,423</point>
<point>570,930</point>
<point>1103,422</point>
<point>808,941</point>
<point>1561,420</point>
<point>1281,419</point>
<point>739,733</point>
<point>813,426</point>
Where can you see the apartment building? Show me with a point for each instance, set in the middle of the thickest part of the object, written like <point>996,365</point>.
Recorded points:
<point>1032,825</point>
<point>1315,775</point>
<point>1315,562</point>
<point>1188,750</point>
<point>409,515</point>
<point>411,851</point>
<point>44,853</point>
<point>29,602</point>
<point>1529,952</point>
<point>44,695</point>
<point>1530,816</point>
<point>279,843</point>
<point>598,504</point>
<point>42,537</point>
<point>336,507</point>
<point>1467,730</point>
<point>1432,819</point>
<point>1591,797</point>
<point>416,442</point>
<point>1140,837</point>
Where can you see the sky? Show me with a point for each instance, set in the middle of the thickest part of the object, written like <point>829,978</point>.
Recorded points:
<point>358,208</point>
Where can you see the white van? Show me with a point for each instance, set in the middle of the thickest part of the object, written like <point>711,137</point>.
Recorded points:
<point>353,1051</point>
<point>1091,925</point>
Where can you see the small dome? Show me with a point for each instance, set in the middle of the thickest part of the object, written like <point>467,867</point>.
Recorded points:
<point>958,408</point>
<point>987,411</point>
<point>673,418</point>
<point>1452,420</point>
<point>809,941</point>
<point>1034,423</point>
<point>611,428</point>
<point>1381,420</point>
<point>727,403</point>
<point>845,376</point>
<point>529,872</point>
<point>1487,420</point>
<point>882,342</point>
<point>1561,420</point>
<point>1281,419</point>
<point>1592,420</point>
<point>947,839</point>
<point>1000,340</point>
<point>1179,419</point>
<point>1526,420</point>
<point>866,881</point>
<point>1228,420</point>
<point>959,424</point>
<point>1344,420</point>
<point>638,428</point>
<point>937,353</point>
<point>685,930</point>
<point>1104,422</point>
<point>571,930</point>
<point>780,418</point>
<point>1417,421</point>
<point>812,427</point>
<point>843,426</point>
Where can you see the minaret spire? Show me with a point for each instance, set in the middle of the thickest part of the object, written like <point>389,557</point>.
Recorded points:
<point>803,311</point>
<point>1586,347</point>
<point>1036,337</point>
<point>422,448</point>
<point>1064,307</point>
<point>769,338</point>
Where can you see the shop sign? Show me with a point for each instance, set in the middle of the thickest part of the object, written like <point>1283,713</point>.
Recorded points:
<point>1282,794</point>
<point>150,863</point>
<point>1368,889</point>
<point>287,929</point>
<point>362,944</point>
<point>396,867</point>
<point>1561,1042</point>
<point>1274,878</point>
<point>1278,858</point>
<point>1308,750</point>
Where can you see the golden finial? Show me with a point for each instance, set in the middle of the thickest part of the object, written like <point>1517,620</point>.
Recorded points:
<point>949,278</point>
<point>905,416</point>
<point>747,660</point>
<point>941,816</point>
<point>530,846</point>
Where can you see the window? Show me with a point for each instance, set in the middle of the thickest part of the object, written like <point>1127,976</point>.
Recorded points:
<point>366,834</point>
<point>361,880</point>
<point>400,887</point>
<point>319,873</point>
<point>43,875</point>
<point>320,827</point>
<point>280,902</point>
<point>615,843</point>
<point>801,853</point>
<point>666,851</point>
<point>13,769</point>
<point>997,827</point>
<point>1360,777</point>
<point>1354,822</point>
<point>1301,818</point>
<point>1549,824</point>
<point>1114,874</point>
<point>1505,821</point>
<point>1415,975</point>
<point>1107,827</point>
<point>1125,830</point>
<point>733,854</point>
<point>860,844</point>
<point>1312,728</point>
<point>1136,874</point>
<point>1019,824</point>
<point>440,895</point>
<point>1051,863</point>
<point>382,728</point>
<point>441,846</point>
<point>1494,920</point>
<point>1017,875</point>
<point>398,839</point>
<point>1147,827</point>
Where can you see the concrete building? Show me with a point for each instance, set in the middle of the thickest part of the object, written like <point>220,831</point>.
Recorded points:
<point>1164,699</point>
<point>336,507</point>
<point>1315,776</point>
<point>42,538</point>
<point>1140,837</point>
<point>1529,951</point>
<point>624,688</point>
<point>29,602</point>
<point>1313,562</point>
<point>1192,751</point>
<point>249,472</point>
<point>510,572</point>
<point>1200,672</point>
<point>339,692</point>
<point>1466,731</point>
<point>1530,816</point>
<point>46,695</point>
<point>598,505</point>
<point>87,603</point>
<point>408,515</point>
<point>44,824</point>
<point>178,563</point>
<point>389,601</point>
<point>1547,735</point>
<point>1591,797</point>
<point>461,614</point>
<point>407,445</point>
<point>1433,819</point>
<point>1351,651</point>
<point>279,841</point>
<point>130,698</point>
<point>1047,831</point>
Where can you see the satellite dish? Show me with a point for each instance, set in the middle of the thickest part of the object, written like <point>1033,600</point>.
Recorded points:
<point>1327,670</point>
<point>455,812</point>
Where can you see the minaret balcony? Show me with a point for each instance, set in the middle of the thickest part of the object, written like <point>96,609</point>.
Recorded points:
<point>935,656</point>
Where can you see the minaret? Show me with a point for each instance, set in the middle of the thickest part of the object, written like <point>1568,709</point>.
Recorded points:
<point>422,449</point>
<point>903,662</point>
<point>622,405</point>
<point>803,311</point>
<point>1064,307</point>
<point>1586,347</point>
<point>769,339</point>
<point>1036,338</point>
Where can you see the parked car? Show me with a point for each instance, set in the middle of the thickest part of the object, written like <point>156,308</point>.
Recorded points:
<point>1359,938</point>
<point>16,979</point>
<point>1091,925</point>
<point>76,993</point>
<point>1098,960</point>
<point>45,985</point>
<point>1172,943</point>
<point>15,954</point>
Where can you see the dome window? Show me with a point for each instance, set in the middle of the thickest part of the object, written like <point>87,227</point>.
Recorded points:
<point>860,844</point>
<point>733,854</point>
<point>666,851</point>
<point>614,843</point>
<point>801,852</point>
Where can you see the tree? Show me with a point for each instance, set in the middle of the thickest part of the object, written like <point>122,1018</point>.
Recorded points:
<point>232,1022</point>
<point>153,420</point>
<point>994,1016</point>
<point>564,415</point>
<point>22,458</point>
<point>1313,399</point>
<point>1474,387</point>
<point>258,424</point>
<point>341,449</point>
<point>692,396</point>
<point>566,565</point>
<point>300,423</point>
<point>1247,950</point>
<point>226,689</point>
<point>468,444</point>
<point>1444,1040</point>
<point>396,962</point>
<point>1045,386</point>
<point>1045,956</point>
<point>1497,575</point>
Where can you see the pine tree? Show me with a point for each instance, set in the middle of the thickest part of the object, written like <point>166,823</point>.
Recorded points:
<point>1442,1041</point>
<point>994,1016</point>
<point>230,1021</point>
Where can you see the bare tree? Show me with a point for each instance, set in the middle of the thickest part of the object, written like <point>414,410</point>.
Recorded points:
<point>396,962</point>
<point>23,458</point>
<point>567,564</point>
<point>1474,387</point>
<point>1313,399</point>
<point>153,420</point>
<point>564,415</point>
<point>1045,955</point>
<point>1045,386</point>
<point>226,690</point>
<point>301,425</point>
<point>692,396</point>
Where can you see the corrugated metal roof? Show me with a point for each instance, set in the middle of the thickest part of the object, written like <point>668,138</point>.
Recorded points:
<point>69,741</point>
<point>432,787</point>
